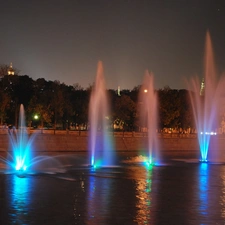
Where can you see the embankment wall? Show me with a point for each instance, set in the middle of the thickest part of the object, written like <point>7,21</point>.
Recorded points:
<point>53,140</point>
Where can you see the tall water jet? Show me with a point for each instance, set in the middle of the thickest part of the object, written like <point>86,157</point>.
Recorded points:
<point>149,116</point>
<point>206,101</point>
<point>21,144</point>
<point>100,144</point>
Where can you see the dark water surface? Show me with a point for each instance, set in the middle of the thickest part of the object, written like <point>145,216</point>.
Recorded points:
<point>176,192</point>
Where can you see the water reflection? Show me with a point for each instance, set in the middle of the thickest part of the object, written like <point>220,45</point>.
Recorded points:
<point>222,198</point>
<point>211,205</point>
<point>143,179</point>
<point>112,197</point>
<point>99,199</point>
<point>19,199</point>
<point>203,188</point>
<point>181,194</point>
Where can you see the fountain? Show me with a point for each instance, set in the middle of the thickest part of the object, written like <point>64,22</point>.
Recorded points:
<point>21,145</point>
<point>148,116</point>
<point>206,102</point>
<point>100,145</point>
<point>21,159</point>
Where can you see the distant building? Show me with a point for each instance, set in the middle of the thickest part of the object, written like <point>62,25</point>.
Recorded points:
<point>118,91</point>
<point>11,70</point>
<point>202,89</point>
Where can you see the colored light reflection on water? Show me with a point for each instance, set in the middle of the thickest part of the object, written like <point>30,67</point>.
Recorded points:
<point>203,188</point>
<point>20,200</point>
<point>144,198</point>
<point>99,199</point>
<point>179,193</point>
<point>222,197</point>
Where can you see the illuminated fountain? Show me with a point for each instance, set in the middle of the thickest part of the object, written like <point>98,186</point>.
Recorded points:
<point>148,116</point>
<point>21,144</point>
<point>206,101</point>
<point>21,158</point>
<point>100,144</point>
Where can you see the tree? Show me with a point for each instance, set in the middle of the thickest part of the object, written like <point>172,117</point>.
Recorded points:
<point>186,114</point>
<point>20,90</point>
<point>37,107</point>
<point>80,102</point>
<point>58,102</point>
<point>125,111</point>
<point>4,105</point>
<point>168,108</point>
<point>40,104</point>
<point>77,87</point>
<point>175,109</point>
<point>67,106</point>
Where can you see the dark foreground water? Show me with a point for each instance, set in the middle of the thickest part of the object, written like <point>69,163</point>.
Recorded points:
<point>177,192</point>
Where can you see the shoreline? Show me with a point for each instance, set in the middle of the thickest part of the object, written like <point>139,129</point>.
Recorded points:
<point>62,141</point>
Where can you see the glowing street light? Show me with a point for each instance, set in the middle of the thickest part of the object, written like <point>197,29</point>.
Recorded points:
<point>36,117</point>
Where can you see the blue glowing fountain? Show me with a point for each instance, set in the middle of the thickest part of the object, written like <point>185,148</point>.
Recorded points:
<point>20,159</point>
<point>148,116</point>
<point>21,144</point>
<point>100,144</point>
<point>206,101</point>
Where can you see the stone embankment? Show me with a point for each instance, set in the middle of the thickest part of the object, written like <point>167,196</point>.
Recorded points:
<point>61,140</point>
<point>75,141</point>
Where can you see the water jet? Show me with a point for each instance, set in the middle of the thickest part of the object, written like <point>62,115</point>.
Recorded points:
<point>100,143</point>
<point>148,117</point>
<point>206,102</point>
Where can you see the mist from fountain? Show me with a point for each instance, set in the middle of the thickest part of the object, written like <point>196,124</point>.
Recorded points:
<point>206,102</point>
<point>149,116</point>
<point>100,143</point>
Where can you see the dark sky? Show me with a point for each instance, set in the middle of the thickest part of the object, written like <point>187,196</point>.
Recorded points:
<point>63,40</point>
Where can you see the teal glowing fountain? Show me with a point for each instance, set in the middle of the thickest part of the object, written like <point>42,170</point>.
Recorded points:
<point>21,144</point>
<point>21,158</point>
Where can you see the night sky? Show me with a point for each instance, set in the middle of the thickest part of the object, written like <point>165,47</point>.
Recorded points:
<point>64,40</point>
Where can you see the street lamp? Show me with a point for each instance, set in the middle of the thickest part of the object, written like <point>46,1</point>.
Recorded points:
<point>35,120</point>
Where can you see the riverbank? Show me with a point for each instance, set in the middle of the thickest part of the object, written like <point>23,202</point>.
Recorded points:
<point>135,143</point>
<point>62,140</point>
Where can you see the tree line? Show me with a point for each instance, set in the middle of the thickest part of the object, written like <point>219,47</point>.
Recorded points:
<point>60,106</point>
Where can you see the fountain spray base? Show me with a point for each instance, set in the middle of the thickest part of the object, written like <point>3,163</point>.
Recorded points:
<point>90,166</point>
<point>203,161</point>
<point>21,175</point>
